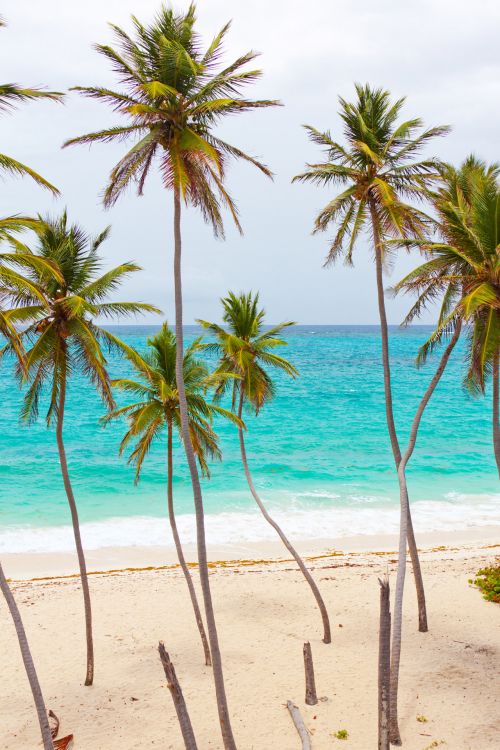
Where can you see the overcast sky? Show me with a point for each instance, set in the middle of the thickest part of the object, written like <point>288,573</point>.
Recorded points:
<point>442,54</point>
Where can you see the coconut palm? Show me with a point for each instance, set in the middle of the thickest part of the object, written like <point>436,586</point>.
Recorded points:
<point>10,96</point>
<point>157,409</point>
<point>173,94</point>
<point>22,285</point>
<point>246,350</point>
<point>28,662</point>
<point>463,268</point>
<point>69,292</point>
<point>379,170</point>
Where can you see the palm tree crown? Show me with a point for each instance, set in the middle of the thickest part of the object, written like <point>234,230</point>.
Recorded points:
<point>10,96</point>
<point>377,169</point>
<point>246,349</point>
<point>158,406</point>
<point>173,93</point>
<point>62,295</point>
<point>463,266</point>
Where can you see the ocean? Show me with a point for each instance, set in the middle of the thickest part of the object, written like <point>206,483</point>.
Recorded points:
<point>319,454</point>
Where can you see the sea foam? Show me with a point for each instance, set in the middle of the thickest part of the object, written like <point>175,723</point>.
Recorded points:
<point>456,513</point>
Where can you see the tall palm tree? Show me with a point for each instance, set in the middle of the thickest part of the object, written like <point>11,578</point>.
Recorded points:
<point>463,268</point>
<point>10,96</point>
<point>246,350</point>
<point>157,409</point>
<point>68,293</point>
<point>28,662</point>
<point>380,170</point>
<point>173,95</point>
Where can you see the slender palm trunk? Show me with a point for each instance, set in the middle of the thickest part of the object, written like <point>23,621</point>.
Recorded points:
<point>28,663</point>
<point>310,580</point>
<point>180,553</point>
<point>496,425</point>
<point>384,665</point>
<point>398,607</point>
<point>415,561</point>
<point>397,629</point>
<point>89,678</point>
<point>225,724</point>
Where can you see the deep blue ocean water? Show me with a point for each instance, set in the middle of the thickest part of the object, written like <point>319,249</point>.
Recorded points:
<point>319,452</point>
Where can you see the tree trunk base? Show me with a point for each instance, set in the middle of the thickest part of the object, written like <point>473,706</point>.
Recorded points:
<point>394,735</point>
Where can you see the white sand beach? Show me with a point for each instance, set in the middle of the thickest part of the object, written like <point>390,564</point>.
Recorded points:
<point>265,612</point>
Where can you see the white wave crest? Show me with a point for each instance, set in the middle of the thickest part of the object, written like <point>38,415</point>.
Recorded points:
<point>457,513</point>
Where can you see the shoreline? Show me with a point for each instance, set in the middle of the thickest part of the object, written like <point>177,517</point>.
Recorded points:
<point>33,565</point>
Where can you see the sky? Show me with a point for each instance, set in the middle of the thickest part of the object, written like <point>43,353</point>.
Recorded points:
<point>443,55</point>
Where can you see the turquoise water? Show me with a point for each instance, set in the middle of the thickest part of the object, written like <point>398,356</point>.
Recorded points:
<point>321,447</point>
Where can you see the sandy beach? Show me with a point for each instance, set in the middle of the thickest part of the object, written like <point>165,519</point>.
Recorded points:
<point>265,612</point>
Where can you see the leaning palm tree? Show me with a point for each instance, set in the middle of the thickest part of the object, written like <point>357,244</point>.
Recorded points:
<point>68,293</point>
<point>157,410</point>
<point>463,268</point>
<point>10,96</point>
<point>246,351</point>
<point>380,170</point>
<point>28,662</point>
<point>22,285</point>
<point>174,93</point>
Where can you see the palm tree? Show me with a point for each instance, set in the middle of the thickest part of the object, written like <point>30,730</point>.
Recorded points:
<point>246,350</point>
<point>28,662</point>
<point>68,294</point>
<point>10,96</point>
<point>380,170</point>
<point>464,268</point>
<point>158,408</point>
<point>173,95</point>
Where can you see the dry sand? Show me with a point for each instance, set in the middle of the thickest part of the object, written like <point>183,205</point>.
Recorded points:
<point>265,612</point>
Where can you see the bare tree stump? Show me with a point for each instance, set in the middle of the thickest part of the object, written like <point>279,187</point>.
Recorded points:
<point>299,725</point>
<point>178,698</point>
<point>384,665</point>
<point>311,697</point>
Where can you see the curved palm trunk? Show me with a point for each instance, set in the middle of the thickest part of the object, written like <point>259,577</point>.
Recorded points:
<point>415,561</point>
<point>225,724</point>
<point>310,580</point>
<point>89,678</point>
<point>398,607</point>
<point>180,553</point>
<point>496,425</point>
<point>28,663</point>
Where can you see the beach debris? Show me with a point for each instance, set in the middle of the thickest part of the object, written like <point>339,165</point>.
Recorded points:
<point>384,664</point>
<point>341,734</point>
<point>178,699</point>
<point>311,697</point>
<point>299,725</point>
<point>64,743</point>
<point>53,724</point>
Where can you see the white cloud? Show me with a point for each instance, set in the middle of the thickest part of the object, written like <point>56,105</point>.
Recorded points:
<point>442,54</point>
